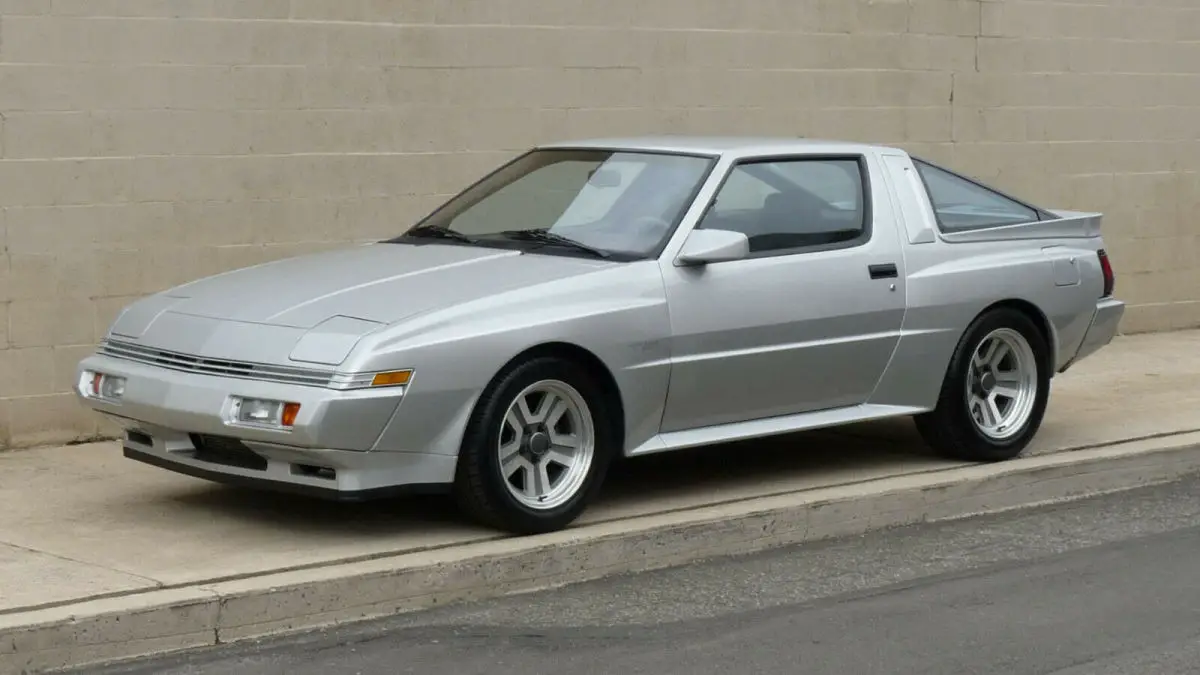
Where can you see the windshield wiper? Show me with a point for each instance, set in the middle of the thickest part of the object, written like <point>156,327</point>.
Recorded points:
<point>435,232</point>
<point>547,237</point>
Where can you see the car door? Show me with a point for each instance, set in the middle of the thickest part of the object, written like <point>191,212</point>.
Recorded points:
<point>809,320</point>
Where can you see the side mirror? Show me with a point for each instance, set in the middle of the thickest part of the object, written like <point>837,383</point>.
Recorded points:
<point>709,246</point>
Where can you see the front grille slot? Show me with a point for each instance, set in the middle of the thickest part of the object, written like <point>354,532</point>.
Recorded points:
<point>226,452</point>
<point>140,438</point>
<point>220,367</point>
<point>314,471</point>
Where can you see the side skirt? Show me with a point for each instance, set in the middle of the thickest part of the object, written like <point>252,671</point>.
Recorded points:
<point>771,426</point>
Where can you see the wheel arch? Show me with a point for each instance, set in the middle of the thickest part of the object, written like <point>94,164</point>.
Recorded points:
<point>945,427</point>
<point>1039,319</point>
<point>595,367</point>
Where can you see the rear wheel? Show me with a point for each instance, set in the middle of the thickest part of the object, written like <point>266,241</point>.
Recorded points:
<point>536,448</point>
<point>995,391</point>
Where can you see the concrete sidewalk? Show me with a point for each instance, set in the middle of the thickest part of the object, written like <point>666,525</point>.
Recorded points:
<point>83,527</point>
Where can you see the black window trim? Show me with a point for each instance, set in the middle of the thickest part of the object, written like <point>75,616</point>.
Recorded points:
<point>1039,213</point>
<point>868,217</point>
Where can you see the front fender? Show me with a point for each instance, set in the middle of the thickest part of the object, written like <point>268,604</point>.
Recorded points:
<point>619,315</point>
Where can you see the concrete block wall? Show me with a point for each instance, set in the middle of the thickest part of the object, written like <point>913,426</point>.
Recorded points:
<point>147,142</point>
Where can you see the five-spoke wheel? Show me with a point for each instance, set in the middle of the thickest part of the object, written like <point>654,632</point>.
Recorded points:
<point>995,390</point>
<point>1003,384</point>
<point>537,446</point>
<point>546,444</point>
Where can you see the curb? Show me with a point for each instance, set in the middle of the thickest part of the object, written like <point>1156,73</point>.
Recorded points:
<point>145,623</point>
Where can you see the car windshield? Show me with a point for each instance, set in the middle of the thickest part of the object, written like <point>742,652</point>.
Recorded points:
<point>616,203</point>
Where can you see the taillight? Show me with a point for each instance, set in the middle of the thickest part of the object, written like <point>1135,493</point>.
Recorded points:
<point>1106,267</point>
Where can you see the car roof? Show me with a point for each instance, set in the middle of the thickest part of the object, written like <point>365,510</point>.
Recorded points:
<point>720,145</point>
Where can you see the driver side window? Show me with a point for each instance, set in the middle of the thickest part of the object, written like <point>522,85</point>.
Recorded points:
<point>790,205</point>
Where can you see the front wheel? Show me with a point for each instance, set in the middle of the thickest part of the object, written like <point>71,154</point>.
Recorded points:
<point>995,391</point>
<point>536,448</point>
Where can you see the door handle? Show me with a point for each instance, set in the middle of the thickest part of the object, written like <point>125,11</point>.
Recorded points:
<point>884,271</point>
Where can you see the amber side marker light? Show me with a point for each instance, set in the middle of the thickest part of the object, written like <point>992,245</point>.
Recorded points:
<point>290,410</point>
<point>392,378</point>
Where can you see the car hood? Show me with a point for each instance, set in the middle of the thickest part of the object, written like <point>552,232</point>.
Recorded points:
<point>381,283</point>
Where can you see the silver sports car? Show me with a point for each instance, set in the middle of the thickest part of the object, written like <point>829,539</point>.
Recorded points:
<point>617,297</point>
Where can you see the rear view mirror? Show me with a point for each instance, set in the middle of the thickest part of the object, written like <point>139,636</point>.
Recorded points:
<point>709,246</point>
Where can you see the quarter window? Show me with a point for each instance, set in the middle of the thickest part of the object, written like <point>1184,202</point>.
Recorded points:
<point>786,205</point>
<point>961,204</point>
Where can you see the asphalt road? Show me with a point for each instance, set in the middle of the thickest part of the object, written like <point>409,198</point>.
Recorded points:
<point>1100,587</point>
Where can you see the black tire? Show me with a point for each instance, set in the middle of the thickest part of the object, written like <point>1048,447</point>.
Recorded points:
<point>480,488</point>
<point>950,429</point>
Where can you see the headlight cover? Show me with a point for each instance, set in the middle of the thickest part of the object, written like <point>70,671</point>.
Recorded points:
<point>332,340</point>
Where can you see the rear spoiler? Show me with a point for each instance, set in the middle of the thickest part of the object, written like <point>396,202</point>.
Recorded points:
<point>1067,225</point>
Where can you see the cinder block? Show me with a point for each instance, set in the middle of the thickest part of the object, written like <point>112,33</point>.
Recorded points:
<point>972,124</point>
<point>48,276</point>
<point>471,12</point>
<point>1185,315</point>
<point>24,7</point>
<point>281,43</point>
<point>66,365</point>
<point>122,272</point>
<point>46,323</point>
<point>78,230</point>
<point>879,16</point>
<point>135,8</point>
<point>1023,55</point>
<point>63,181</point>
<point>357,87</point>
<point>252,87</point>
<point>46,134</point>
<point>381,11</point>
<point>133,133</point>
<point>251,9</point>
<point>323,10</point>
<point>945,17</point>
<point>1146,318</point>
<point>49,420</point>
<point>26,372</point>
<point>838,16</point>
<point>928,124</point>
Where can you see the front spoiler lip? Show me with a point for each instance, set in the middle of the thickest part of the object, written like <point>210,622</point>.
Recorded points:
<point>283,487</point>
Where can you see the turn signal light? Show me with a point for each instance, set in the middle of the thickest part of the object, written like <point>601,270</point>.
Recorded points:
<point>260,412</point>
<point>392,378</point>
<point>290,410</point>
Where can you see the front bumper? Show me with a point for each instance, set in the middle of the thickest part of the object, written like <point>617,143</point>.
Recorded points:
<point>199,402</point>
<point>340,475</point>
<point>179,421</point>
<point>1105,322</point>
